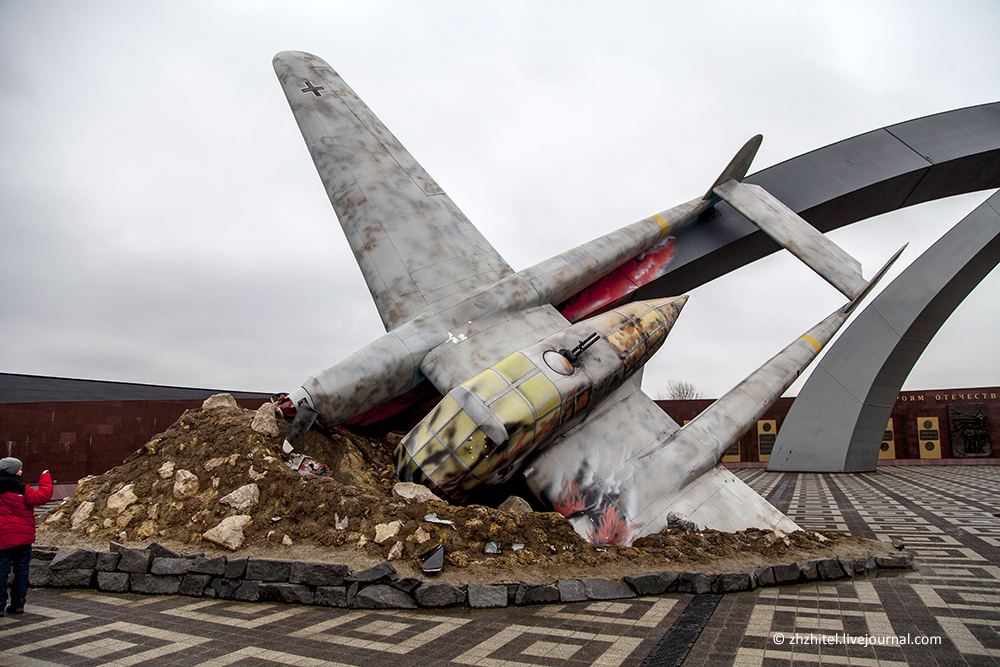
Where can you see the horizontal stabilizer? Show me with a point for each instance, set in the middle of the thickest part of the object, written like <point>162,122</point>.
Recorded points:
<point>795,235</point>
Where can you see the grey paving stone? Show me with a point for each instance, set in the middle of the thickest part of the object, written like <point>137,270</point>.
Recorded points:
<point>287,593</point>
<point>134,560</point>
<point>70,578</point>
<point>247,591</point>
<point>236,568</point>
<point>481,596</point>
<point>80,558</point>
<point>160,551</point>
<point>195,584</point>
<point>162,565</point>
<point>438,594</point>
<point>107,561</point>
<point>603,589</point>
<point>263,569</point>
<point>43,552</point>
<point>535,592</point>
<point>407,585</point>
<point>331,596</point>
<point>765,575</point>
<point>901,560</point>
<point>381,596</point>
<point>318,574</point>
<point>571,590</point>
<point>787,573</point>
<point>215,567</point>
<point>152,584</point>
<point>733,582</point>
<point>113,582</point>
<point>38,572</point>
<point>694,582</point>
<point>224,589</point>
<point>383,573</point>
<point>653,583</point>
<point>809,571</point>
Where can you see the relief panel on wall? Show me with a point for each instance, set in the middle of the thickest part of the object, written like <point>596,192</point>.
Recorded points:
<point>969,427</point>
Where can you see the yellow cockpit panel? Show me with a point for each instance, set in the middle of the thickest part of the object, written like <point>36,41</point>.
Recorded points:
<point>540,392</point>
<point>487,384</point>
<point>419,436</point>
<point>458,429</point>
<point>514,411</point>
<point>515,367</point>
<point>440,415</point>
<point>472,449</point>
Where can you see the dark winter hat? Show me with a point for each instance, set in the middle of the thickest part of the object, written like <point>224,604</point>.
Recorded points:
<point>10,465</point>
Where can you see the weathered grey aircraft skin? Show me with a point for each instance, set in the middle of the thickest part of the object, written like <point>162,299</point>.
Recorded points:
<point>525,390</point>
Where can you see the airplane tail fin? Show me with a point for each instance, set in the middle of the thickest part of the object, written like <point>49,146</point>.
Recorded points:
<point>737,168</point>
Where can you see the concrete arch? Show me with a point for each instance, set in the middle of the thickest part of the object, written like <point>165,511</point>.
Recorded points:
<point>837,421</point>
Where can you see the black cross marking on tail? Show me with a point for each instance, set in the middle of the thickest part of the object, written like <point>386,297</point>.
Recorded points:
<point>312,89</point>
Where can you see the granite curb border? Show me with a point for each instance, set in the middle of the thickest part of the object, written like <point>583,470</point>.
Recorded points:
<point>156,570</point>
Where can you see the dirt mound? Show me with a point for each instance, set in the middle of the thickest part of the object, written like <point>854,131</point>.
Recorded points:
<point>221,463</point>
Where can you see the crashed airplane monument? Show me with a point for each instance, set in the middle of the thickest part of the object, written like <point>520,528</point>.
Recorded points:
<point>537,371</point>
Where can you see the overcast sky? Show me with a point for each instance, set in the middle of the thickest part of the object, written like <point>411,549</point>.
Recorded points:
<point>162,221</point>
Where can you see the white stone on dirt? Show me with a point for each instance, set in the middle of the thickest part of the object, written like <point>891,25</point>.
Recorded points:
<point>414,493</point>
<point>185,484</point>
<point>122,498</point>
<point>396,552</point>
<point>419,536</point>
<point>242,498</point>
<point>385,531</point>
<point>220,401</point>
<point>166,470</point>
<point>81,514</point>
<point>515,505</point>
<point>229,532</point>
<point>266,420</point>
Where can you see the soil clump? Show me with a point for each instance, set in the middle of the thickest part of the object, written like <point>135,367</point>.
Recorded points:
<point>224,462</point>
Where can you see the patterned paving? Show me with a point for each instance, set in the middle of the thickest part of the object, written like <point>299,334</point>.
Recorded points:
<point>953,600</point>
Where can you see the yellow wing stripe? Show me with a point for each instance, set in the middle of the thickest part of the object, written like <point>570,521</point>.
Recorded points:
<point>663,223</point>
<point>812,341</point>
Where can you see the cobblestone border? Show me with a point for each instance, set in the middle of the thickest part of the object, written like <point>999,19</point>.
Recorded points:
<point>159,571</point>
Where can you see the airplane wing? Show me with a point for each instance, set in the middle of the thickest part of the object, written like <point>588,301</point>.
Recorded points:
<point>615,481</point>
<point>414,246</point>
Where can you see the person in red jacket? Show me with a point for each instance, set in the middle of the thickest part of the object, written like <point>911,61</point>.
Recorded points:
<point>17,529</point>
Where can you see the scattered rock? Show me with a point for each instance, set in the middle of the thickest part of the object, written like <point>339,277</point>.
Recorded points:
<point>414,493</point>
<point>223,401</point>
<point>166,471</point>
<point>121,499</point>
<point>229,532</point>
<point>242,498</point>
<point>515,505</point>
<point>81,514</point>
<point>265,420</point>
<point>185,484</point>
<point>386,531</point>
